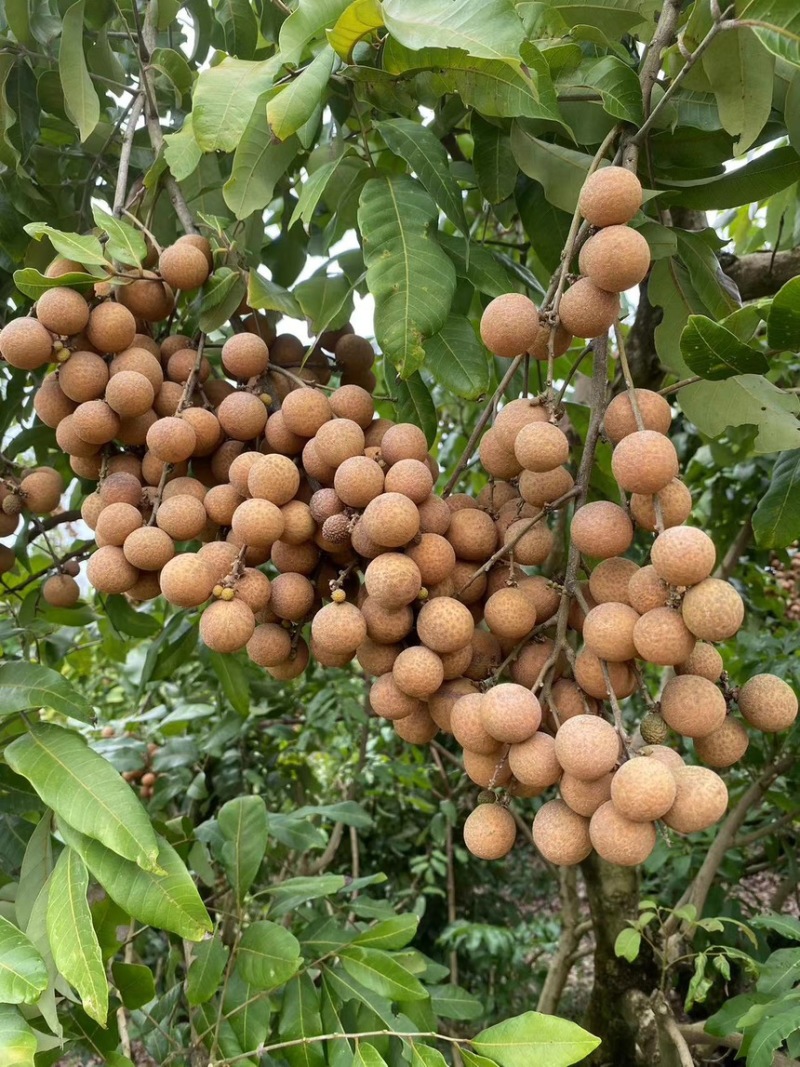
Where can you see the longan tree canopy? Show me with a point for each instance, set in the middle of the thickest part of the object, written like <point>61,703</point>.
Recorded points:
<point>399,508</point>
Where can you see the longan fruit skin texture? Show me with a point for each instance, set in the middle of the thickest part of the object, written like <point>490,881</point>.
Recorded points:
<point>620,421</point>
<point>610,197</point>
<point>601,529</point>
<point>586,311</point>
<point>587,747</point>
<point>643,789</point>
<point>490,831</point>
<point>510,713</point>
<point>510,325</point>
<point>560,834</point>
<point>724,746</point>
<point>683,555</point>
<point>615,259</point>
<point>701,800</point>
<point>620,840</point>
<point>692,706</point>
<point>705,660</point>
<point>768,703</point>
<point>713,610</point>
<point>644,462</point>
<point>584,798</point>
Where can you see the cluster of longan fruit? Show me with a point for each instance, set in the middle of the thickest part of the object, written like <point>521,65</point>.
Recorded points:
<point>143,777</point>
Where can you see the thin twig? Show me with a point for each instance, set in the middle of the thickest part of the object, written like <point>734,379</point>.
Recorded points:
<point>121,188</point>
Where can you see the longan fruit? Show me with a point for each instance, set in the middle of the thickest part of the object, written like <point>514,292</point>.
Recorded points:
<point>609,580</point>
<point>385,626</point>
<point>142,361</point>
<point>567,700</point>
<point>540,349</point>
<point>391,520</point>
<point>116,522</point>
<point>227,625</point>
<point>587,746</point>
<point>768,703</point>
<point>584,798</point>
<point>509,613</point>
<point>601,530</point>
<point>725,746</point>
<point>619,420</point>
<point>352,402</point>
<point>305,411</point>
<point>560,834</point>
<point>298,523</point>
<point>646,591</point>
<point>590,677</point>
<point>7,558</point>
<point>187,580</point>
<point>376,659</point>
<point>510,713</point>
<point>644,462</point>
<point>467,726</point>
<point>270,645</point>
<point>393,580</point>
<point>280,438</point>
<point>533,762</point>
<point>546,487</point>
<point>183,517</point>
<point>338,440</point>
<point>147,548</point>
<point>513,416</point>
<point>220,557</point>
<point>111,327</point>
<point>294,666</point>
<point>358,480</point>
<point>418,728</point>
<point>129,394</point>
<point>643,789</point>
<point>83,376</point>
<point>542,594</point>
<point>109,572</point>
<point>675,502</point>
<point>489,772</point>
<point>490,831</point>
<point>147,298</point>
<point>418,672</point>
<point>61,591</point>
<point>683,555</point>
<point>700,801</point>
<point>615,259</point>
<point>445,625</point>
<point>41,490</point>
<point>527,667</point>
<point>495,495</point>
<point>619,840</point>
<point>435,558</point>
<point>713,610</point>
<point>610,197</point>
<point>532,541</point>
<point>411,478</point>
<point>434,515</point>
<point>207,430</point>
<point>197,240</point>
<point>376,431</point>
<point>704,660</point>
<point>485,656</point>
<point>62,311</point>
<point>541,447</point>
<point>509,325</point>
<point>26,344</point>
<point>95,422</point>
<point>608,631</point>
<point>668,756</point>
<point>257,523</point>
<point>181,366</point>
<point>389,701</point>
<point>292,597</point>
<point>661,636</point>
<point>183,266</point>
<point>328,339</point>
<point>403,441</point>
<point>51,403</point>
<point>171,440</point>
<point>496,459</point>
<point>245,356</point>
<point>586,311</point>
<point>472,534</point>
<point>692,705</point>
<point>314,466</point>
<point>354,353</point>
<point>274,478</point>
<point>242,416</point>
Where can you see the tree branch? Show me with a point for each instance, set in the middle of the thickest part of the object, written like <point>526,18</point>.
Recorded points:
<point>695,1034</point>
<point>563,960</point>
<point>761,273</point>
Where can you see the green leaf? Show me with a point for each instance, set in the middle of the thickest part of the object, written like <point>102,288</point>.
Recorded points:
<point>301,1019</point>
<point>427,157</point>
<point>367,1056</point>
<point>124,242</point>
<point>167,901</point>
<point>308,22</point>
<point>757,180</point>
<point>715,353</point>
<point>293,892</point>
<point>269,955</point>
<point>243,823</point>
<point>312,189</point>
<point>239,26</point>
<point>484,28</point>
<point>746,400</point>
<point>483,270</point>
<point>493,160</point>
<point>247,1011</point>
<point>135,982</point>
<point>222,294</point>
<point>425,1056</point>
<point>741,70</point>
<point>391,933</point>
<point>688,913</point>
<point>259,163</point>
<point>535,1038</point>
<point>206,969</point>
<point>294,104</point>
<point>612,17</point>
<point>357,21</point>
<point>172,64</point>
<point>776,520</point>
<point>561,171</point>
<point>23,975</point>
<point>233,680</point>
<point>415,404</point>
<point>770,1035</point>
<point>85,250</point>
<point>130,621</point>
<point>17,1040</point>
<point>457,359</point>
<point>325,300</point>
<point>453,1002</point>
<point>472,1059</point>
<point>76,950</point>
<point>779,26</point>
<point>697,250</point>
<point>783,325</point>
<point>27,685</point>
<point>381,973</point>
<point>266,295</point>
<point>627,944</point>
<point>780,972</point>
<point>412,280</point>
<point>224,99</point>
<point>81,102</point>
<point>85,790</point>
<point>785,925</point>
<point>30,282</point>
<point>618,84</point>
<point>37,864</point>
<point>182,152</point>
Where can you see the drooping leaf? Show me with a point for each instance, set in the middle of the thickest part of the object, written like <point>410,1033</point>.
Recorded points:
<point>326,300</point>
<point>741,69</point>
<point>259,163</point>
<point>294,104</point>
<point>36,867</point>
<point>534,1037</point>
<point>778,26</point>
<point>269,955</point>
<point>32,283</point>
<point>770,1035</point>
<point>173,65</point>
<point>243,823</point>
<point>785,925</point>
<point>135,982</point>
<point>17,1040</point>
<point>560,171</point>
<point>489,28</point>
<point>457,359</point>
<point>80,98</point>
<point>357,21</point>
<point>410,277</point>
<point>224,99</point>
<point>627,944</point>
<point>714,353</point>
<point>267,295</point>
<point>391,933</point>
<point>85,250</point>
<point>380,972</point>
<point>76,950</point>
<point>206,969</point>
<point>182,152</point>
<point>493,160</point>
<point>239,27</point>
<point>415,404</point>
<point>222,294</point>
<point>783,325</point>
<point>425,1056</point>
<point>129,621</point>
<point>27,685</point>
<point>85,790</point>
<point>124,242</point>
<point>762,177</point>
<point>23,975</point>
<point>306,23</point>
<point>367,1056</point>
<point>312,190</point>
<point>167,901</point>
<point>780,972</point>
<point>746,400</point>
<point>618,84</point>
<point>453,1002</point>
<point>483,269</point>
<point>301,1018</point>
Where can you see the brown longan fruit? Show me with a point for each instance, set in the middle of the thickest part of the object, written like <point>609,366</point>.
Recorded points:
<point>257,523</point>
<point>61,265</point>
<point>270,645</point>
<point>352,402</point>
<point>485,655</point>
<point>584,798</point>
<point>183,517</point>
<point>619,420</point>
<point>286,350</point>
<point>292,597</point>
<point>87,466</point>
<point>182,266</point>
<point>219,556</point>
<point>467,726</point>
<point>533,762</point>
<point>495,495</point>
<point>527,667</point>
<point>509,613</point>
<point>683,555</point>
<point>187,580</point>
<point>646,591</point>
<point>147,298</point>
<point>115,523</point>
<point>147,547</point>
<point>615,259</point>
<point>26,344</point>
<point>489,772</point>
<point>560,834</point>
<point>61,591</point>
<point>354,353</point>
<point>41,490</point>
<point>83,376</point>
<point>376,431</point>
<point>197,240</point>
<point>542,594</point>
<point>294,666</point>
<point>142,361</point>
<point>435,558</point>
<point>411,478</point>
<point>274,478</point>
<point>601,530</point>
<point>540,349</point>
<point>509,325</point>
<point>510,713</point>
<point>181,366</point>
<point>175,342</point>
<point>62,311</point>
<point>239,471</point>
<point>608,631</point>
<point>609,580</point>
<point>242,416</point>
<point>768,703</point>
<point>314,466</point>
<point>95,422</point>
<point>644,462</point>
<point>153,469</point>
<point>338,440</point>
<point>541,447</point>
<point>7,558</point>
<point>129,394</point>
<point>120,487</point>
<point>305,410</point>
<point>692,706</point>
<point>724,746</point>
<point>713,610</point>
<point>227,625</point>
<point>586,311</point>
<point>391,520</point>
<point>280,438</point>
<point>51,403</point>
<point>705,660</point>
<point>393,580</point>
<point>418,672</point>
<point>245,356</point>
<point>496,459</point>
<point>513,416</point>
<point>445,625</point>
<point>171,440</point>
<point>490,831</point>
<point>363,544</point>
<point>358,481</point>
<point>675,502</point>
<point>700,801</point>
<point>619,840</point>
<point>540,488</point>
<point>328,339</point>
<point>386,626</point>
<point>127,463</point>
<point>324,503</point>
<point>472,534</point>
<point>567,700</point>
<point>587,746</point>
<point>376,659</point>
<point>109,572</point>
<point>403,441</point>
<point>111,327</point>
<point>643,789</point>
<point>254,588</point>
<point>389,701</point>
<point>298,523</point>
<point>610,197</point>
<point>532,541</point>
<point>661,636</point>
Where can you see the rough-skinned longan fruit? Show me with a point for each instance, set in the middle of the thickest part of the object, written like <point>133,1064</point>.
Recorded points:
<point>257,523</point>
<point>542,594</point>
<point>51,403</point>
<point>587,746</point>
<point>358,480</point>
<point>147,547</point>
<point>95,422</point>
<point>403,441</point>
<point>87,467</point>
<point>181,366</point>
<point>129,394</point>
<point>62,311</point>
<point>305,411</point>
<point>147,298</point>
<point>61,591</point>
<point>109,572</point>
<point>643,789</point>
<point>539,489</point>
<point>69,441</point>
<point>646,591</point>
<point>653,729</point>
<point>586,311</point>
<point>496,459</point>
<point>245,356</point>
<point>675,502</point>
<point>509,325</point>
<point>187,580</point>
<point>389,701</point>
<point>472,534</point>
<point>279,438</point>
<point>434,557</point>
<point>418,672</point>
<point>83,376</point>
<point>510,713</point>
<point>391,520</point>
<point>153,469</point>
<point>294,666</point>
<point>668,756</point>
<point>115,523</point>
<point>661,637</point>
<point>183,517</point>
<point>167,399</point>
<point>644,462</point>
<point>724,746</point>
<point>362,543</point>
<point>292,597</point>
<point>533,762</point>
<point>683,555</point>
<point>274,478</point>
<point>601,530</point>
<point>700,801</point>
<point>111,327</point>
<point>509,613</point>
<point>608,582</point>
<point>541,447</point>
<point>445,625</point>
<point>608,631</point>
<point>411,478</point>
<point>540,349</point>
<point>207,430</point>
<point>171,440</point>
<point>456,663</point>
<point>489,772</point>
<point>692,706</point>
<point>584,798</point>
<point>41,490</point>
<point>768,703</point>
<point>393,580</point>
<point>146,587</point>
<point>495,495</point>
<point>141,361</point>
<point>566,701</point>
<point>298,522</point>
<point>227,625</point>
<point>527,667</point>
<point>560,834</point>
<point>620,840</point>
<point>25,343</point>
<point>515,509</point>
<point>337,440</point>
<point>376,431</point>
<point>619,420</point>
<point>485,656</point>
<point>242,416</point>
<point>7,558</point>
<point>354,353</point>
<point>532,541</point>
<point>269,645</point>
<point>353,402</point>
<point>467,726</point>
<point>467,587</point>
<point>386,626</point>
<point>339,627</point>
<point>705,660</point>
<point>121,487</point>
<point>610,197</point>
<point>239,471</point>
<point>326,658</point>
<point>302,558</point>
<point>182,266</point>
<point>513,416</point>
<point>376,659</point>
<point>254,588</point>
<point>615,259</point>
<point>713,610</point>
<point>197,240</point>
<point>490,831</point>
